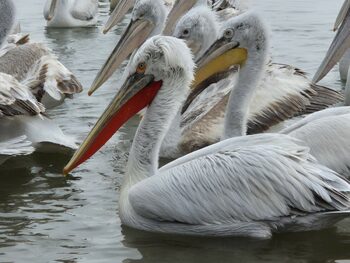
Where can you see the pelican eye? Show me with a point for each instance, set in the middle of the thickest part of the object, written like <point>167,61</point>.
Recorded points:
<point>186,32</point>
<point>141,68</point>
<point>229,33</point>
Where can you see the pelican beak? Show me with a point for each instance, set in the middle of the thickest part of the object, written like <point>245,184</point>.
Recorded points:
<point>118,13</point>
<point>342,14</point>
<point>220,57</point>
<point>218,62</point>
<point>135,34</point>
<point>136,93</point>
<point>339,46</point>
<point>52,10</point>
<point>179,9</point>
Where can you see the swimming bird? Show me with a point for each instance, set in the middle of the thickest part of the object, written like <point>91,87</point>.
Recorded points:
<point>34,65</point>
<point>148,18</point>
<point>71,13</point>
<point>324,132</point>
<point>21,115</point>
<point>245,186</point>
<point>339,50</point>
<point>282,93</point>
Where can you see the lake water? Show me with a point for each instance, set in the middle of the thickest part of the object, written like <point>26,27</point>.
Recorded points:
<point>47,218</point>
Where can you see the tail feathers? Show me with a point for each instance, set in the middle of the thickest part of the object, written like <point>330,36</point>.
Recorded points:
<point>50,76</point>
<point>16,147</point>
<point>323,99</point>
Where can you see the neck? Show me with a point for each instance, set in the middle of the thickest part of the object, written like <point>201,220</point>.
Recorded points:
<point>249,77</point>
<point>144,154</point>
<point>7,19</point>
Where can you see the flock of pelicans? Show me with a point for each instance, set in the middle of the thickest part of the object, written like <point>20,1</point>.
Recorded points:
<point>247,160</point>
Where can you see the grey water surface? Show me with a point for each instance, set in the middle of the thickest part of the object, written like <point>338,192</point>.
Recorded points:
<point>47,218</point>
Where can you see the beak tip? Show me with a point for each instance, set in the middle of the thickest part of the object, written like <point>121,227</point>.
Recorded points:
<point>66,171</point>
<point>105,31</point>
<point>90,93</point>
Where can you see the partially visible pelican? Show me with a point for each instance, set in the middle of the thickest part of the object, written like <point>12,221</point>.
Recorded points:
<point>22,115</point>
<point>71,13</point>
<point>325,132</point>
<point>338,50</point>
<point>245,186</point>
<point>283,92</point>
<point>147,19</point>
<point>34,65</point>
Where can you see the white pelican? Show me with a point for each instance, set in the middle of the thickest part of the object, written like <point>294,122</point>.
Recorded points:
<point>71,13</point>
<point>339,49</point>
<point>34,65</point>
<point>22,115</point>
<point>324,132</point>
<point>245,186</point>
<point>16,147</point>
<point>283,93</point>
<point>148,18</point>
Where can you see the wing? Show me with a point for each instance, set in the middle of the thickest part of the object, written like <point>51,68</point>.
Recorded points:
<point>17,146</point>
<point>16,99</point>
<point>284,93</point>
<point>85,9</point>
<point>260,182</point>
<point>19,61</point>
<point>327,135</point>
<point>49,75</point>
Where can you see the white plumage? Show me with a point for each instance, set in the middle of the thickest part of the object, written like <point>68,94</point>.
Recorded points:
<point>246,186</point>
<point>71,13</point>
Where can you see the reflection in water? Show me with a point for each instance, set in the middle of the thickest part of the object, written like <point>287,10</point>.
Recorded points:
<point>321,246</point>
<point>46,218</point>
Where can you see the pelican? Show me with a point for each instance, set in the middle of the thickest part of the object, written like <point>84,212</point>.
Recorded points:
<point>71,13</point>
<point>282,93</point>
<point>338,48</point>
<point>324,132</point>
<point>21,115</point>
<point>34,65</point>
<point>147,19</point>
<point>245,186</point>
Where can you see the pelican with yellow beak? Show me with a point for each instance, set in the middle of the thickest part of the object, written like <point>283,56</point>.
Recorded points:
<point>245,186</point>
<point>71,13</point>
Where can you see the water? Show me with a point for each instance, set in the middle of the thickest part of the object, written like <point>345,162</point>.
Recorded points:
<point>47,218</point>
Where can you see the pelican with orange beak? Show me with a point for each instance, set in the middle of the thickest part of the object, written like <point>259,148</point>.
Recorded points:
<point>233,188</point>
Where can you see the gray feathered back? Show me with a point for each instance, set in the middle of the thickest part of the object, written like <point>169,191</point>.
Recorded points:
<point>7,18</point>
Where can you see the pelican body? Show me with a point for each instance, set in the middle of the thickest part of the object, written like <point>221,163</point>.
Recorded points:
<point>71,13</point>
<point>244,186</point>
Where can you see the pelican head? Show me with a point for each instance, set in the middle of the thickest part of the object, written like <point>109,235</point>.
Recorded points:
<point>148,19</point>
<point>180,8</point>
<point>340,44</point>
<point>162,66</point>
<point>199,28</point>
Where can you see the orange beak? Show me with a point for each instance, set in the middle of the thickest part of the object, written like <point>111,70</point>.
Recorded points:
<point>136,94</point>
